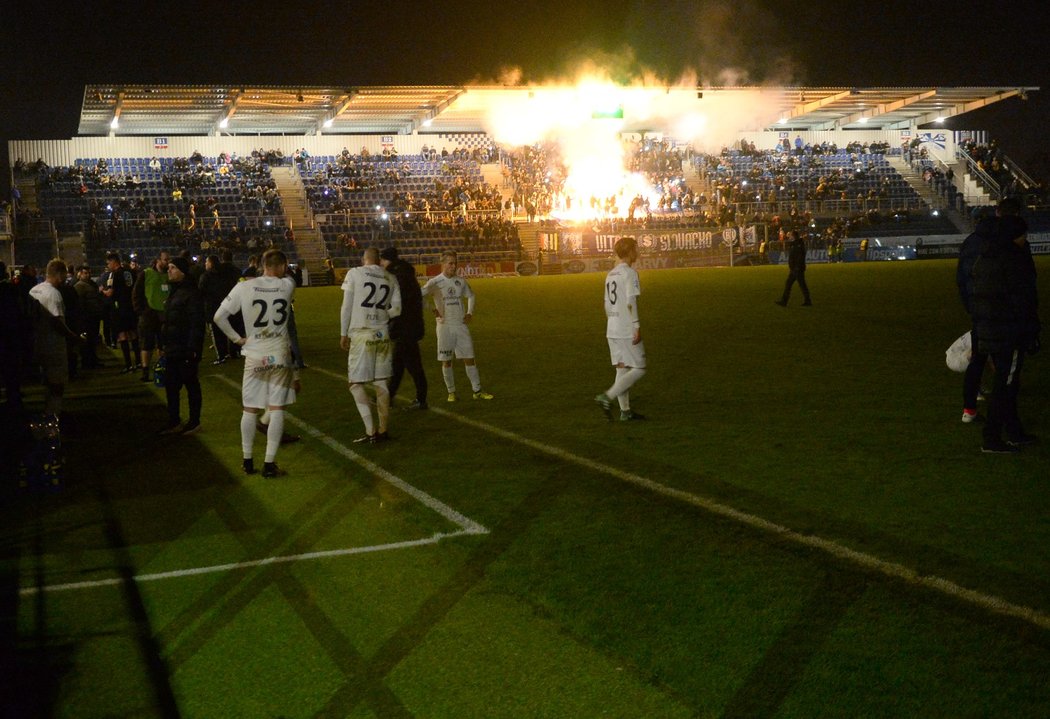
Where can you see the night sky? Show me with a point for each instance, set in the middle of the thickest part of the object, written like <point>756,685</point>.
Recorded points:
<point>56,49</point>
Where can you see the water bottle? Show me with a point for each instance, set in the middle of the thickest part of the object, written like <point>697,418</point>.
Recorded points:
<point>159,371</point>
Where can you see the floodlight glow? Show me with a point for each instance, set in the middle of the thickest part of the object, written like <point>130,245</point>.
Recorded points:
<point>383,216</point>
<point>782,121</point>
<point>942,118</point>
<point>427,123</point>
<point>378,208</point>
<point>224,123</point>
<point>863,121</point>
<point>936,213</point>
<point>328,122</point>
<point>114,124</point>
<point>268,223</point>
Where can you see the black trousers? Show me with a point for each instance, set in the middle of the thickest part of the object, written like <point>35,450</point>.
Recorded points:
<point>221,341</point>
<point>1002,405</point>
<point>796,276</point>
<point>407,357</point>
<point>179,374</point>
<point>973,374</point>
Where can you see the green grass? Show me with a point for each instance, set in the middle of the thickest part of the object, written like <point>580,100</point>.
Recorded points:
<point>589,596</point>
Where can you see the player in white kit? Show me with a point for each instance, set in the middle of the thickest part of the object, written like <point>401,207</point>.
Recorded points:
<point>623,330</point>
<point>453,335</point>
<point>270,378</point>
<point>371,296</point>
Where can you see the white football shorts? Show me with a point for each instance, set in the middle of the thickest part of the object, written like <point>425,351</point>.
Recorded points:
<point>454,341</point>
<point>371,356</point>
<point>267,382</point>
<point>621,351</point>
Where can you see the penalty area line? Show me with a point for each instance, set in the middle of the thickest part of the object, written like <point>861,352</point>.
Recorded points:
<point>248,564</point>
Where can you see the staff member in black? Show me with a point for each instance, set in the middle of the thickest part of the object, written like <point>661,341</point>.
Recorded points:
<point>1006,322</point>
<point>406,330</point>
<point>796,270</point>
<point>182,339</point>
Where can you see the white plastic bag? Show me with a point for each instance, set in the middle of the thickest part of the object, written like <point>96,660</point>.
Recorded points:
<point>958,355</point>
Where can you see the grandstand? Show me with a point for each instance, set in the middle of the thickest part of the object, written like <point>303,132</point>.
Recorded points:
<point>430,167</point>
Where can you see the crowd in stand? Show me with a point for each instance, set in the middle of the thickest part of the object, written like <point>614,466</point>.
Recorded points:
<point>195,223</point>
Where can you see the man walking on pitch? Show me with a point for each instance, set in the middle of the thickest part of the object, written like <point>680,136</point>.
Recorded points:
<point>270,380</point>
<point>796,270</point>
<point>453,335</point>
<point>371,297</point>
<point>623,330</point>
<point>406,330</point>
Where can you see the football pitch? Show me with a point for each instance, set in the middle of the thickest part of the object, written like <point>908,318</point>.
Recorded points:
<point>801,527</point>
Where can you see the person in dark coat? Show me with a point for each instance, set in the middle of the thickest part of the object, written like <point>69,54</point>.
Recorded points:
<point>91,305</point>
<point>969,251</point>
<point>230,277</point>
<point>214,288</point>
<point>1006,322</point>
<point>407,329</point>
<point>796,270</point>
<point>182,339</point>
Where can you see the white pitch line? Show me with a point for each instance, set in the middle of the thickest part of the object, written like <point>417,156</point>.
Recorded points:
<point>467,526</point>
<point>465,523</point>
<point>870,562</point>
<point>195,571</point>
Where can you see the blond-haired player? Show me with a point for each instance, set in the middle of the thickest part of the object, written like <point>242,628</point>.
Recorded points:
<point>623,329</point>
<point>453,335</point>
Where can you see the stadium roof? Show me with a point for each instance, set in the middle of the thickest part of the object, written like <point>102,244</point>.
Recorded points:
<point>404,109</point>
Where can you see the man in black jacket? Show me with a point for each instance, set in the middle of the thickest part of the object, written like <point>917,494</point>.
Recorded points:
<point>182,339</point>
<point>969,251</point>
<point>214,287</point>
<point>406,330</point>
<point>230,276</point>
<point>1006,323</point>
<point>796,270</point>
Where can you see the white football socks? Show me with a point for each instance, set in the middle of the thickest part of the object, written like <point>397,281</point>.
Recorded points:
<point>625,398</point>
<point>473,376</point>
<point>382,403</point>
<point>450,378</point>
<point>274,432</point>
<point>625,381</point>
<point>247,433</point>
<point>364,406</point>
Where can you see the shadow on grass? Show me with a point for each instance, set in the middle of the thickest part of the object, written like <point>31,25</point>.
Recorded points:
<point>112,455</point>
